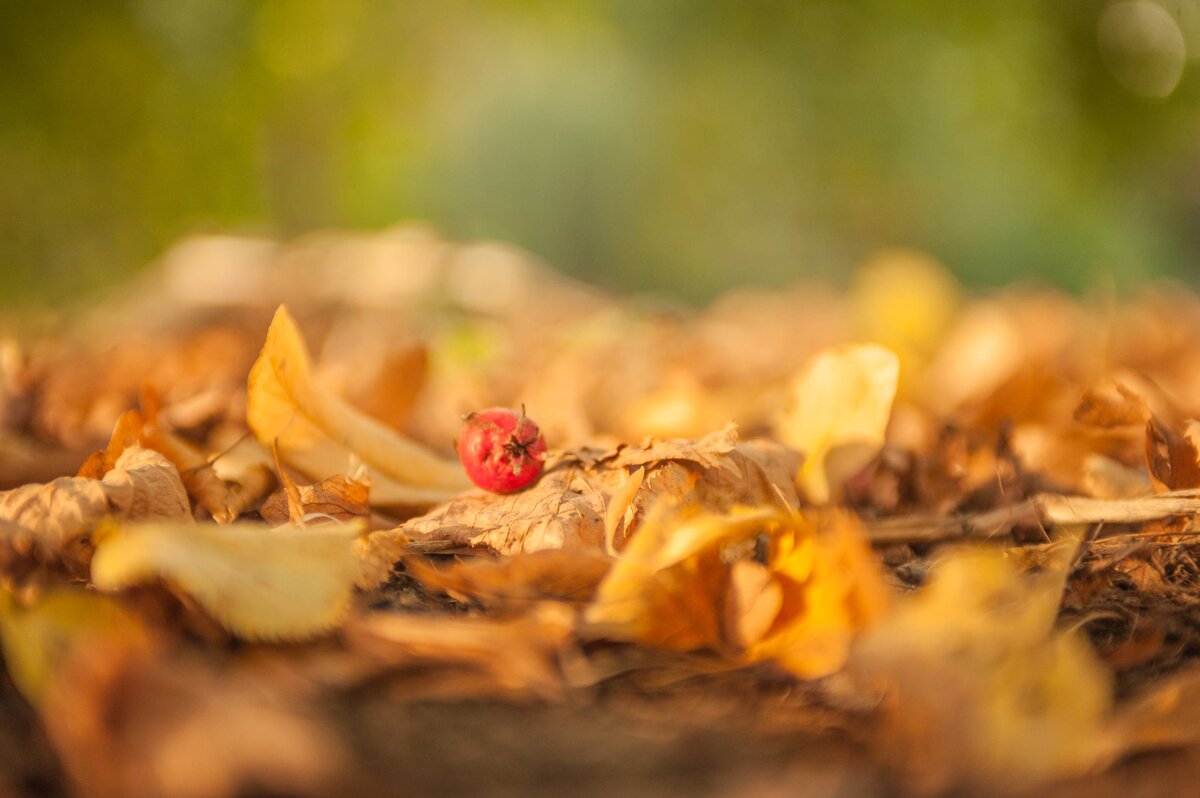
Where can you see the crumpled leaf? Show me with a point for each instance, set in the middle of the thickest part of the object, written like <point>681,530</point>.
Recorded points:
<point>518,581</point>
<point>1172,457</point>
<point>44,518</point>
<point>40,637</point>
<point>225,486</point>
<point>751,584</point>
<point>838,414</point>
<point>979,686</point>
<point>339,498</point>
<point>285,583</point>
<point>568,506</point>
<point>321,435</point>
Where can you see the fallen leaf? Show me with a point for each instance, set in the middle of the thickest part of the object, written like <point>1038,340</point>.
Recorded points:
<point>568,506</point>
<point>904,300</point>
<point>321,436</point>
<point>1164,716</point>
<point>338,497</point>
<point>43,519</point>
<point>225,485</point>
<point>285,583</point>
<point>1111,407</point>
<point>40,637</point>
<point>980,689</point>
<point>126,432</point>
<point>454,657</point>
<point>1173,458</point>
<point>130,727</point>
<point>516,582</point>
<point>752,585</point>
<point>838,414</point>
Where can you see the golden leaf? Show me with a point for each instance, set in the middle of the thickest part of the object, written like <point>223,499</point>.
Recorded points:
<point>321,435</point>
<point>838,414</point>
<point>261,584</point>
<point>904,300</point>
<point>40,637</point>
<point>979,684</point>
<point>753,584</point>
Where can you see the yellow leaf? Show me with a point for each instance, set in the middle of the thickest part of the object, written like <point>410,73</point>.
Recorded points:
<point>838,414</point>
<point>753,584</point>
<point>262,584</point>
<point>980,685</point>
<point>321,435</point>
<point>40,637</point>
<point>905,300</point>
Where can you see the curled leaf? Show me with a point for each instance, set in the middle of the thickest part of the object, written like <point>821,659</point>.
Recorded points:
<point>321,435</point>
<point>42,519</point>
<point>226,486</point>
<point>261,584</point>
<point>753,584</point>
<point>838,414</point>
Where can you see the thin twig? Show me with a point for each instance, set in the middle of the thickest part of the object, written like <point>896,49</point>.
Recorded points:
<point>1048,509</point>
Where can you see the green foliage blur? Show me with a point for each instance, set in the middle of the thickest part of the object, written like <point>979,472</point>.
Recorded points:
<point>673,145</point>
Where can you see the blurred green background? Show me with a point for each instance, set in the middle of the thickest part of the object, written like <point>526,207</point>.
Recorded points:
<point>675,145</point>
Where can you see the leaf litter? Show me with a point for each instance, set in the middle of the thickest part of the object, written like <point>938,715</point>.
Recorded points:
<point>879,541</point>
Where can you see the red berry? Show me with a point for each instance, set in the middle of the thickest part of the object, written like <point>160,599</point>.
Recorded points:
<point>501,449</point>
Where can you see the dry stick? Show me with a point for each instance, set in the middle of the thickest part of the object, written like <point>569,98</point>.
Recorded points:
<point>1052,509</point>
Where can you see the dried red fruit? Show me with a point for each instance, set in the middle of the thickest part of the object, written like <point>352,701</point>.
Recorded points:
<point>501,449</point>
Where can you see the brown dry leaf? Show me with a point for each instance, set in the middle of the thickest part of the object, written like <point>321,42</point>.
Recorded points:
<point>226,485</point>
<point>320,435</point>
<point>1111,407</point>
<point>458,658</point>
<point>126,432</point>
<point>838,414</point>
<point>392,391</point>
<point>130,727</point>
<point>285,583</point>
<point>518,581</point>
<point>44,518</point>
<point>979,687</point>
<point>568,506</point>
<point>1163,717</point>
<point>751,584</point>
<point>339,498</point>
<point>1173,458</point>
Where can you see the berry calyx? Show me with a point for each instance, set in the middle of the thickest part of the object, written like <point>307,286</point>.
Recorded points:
<point>501,449</point>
